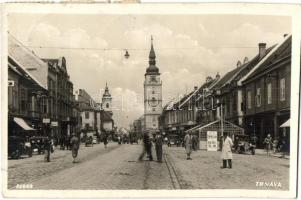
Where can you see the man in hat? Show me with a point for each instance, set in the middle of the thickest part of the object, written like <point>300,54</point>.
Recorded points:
<point>74,142</point>
<point>159,144</point>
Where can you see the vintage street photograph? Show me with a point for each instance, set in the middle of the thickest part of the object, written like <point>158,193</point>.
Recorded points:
<point>148,101</point>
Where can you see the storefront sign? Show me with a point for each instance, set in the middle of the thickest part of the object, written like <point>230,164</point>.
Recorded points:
<point>46,120</point>
<point>211,140</point>
<point>54,123</point>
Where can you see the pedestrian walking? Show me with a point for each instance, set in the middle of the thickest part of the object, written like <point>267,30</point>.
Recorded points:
<point>74,142</point>
<point>147,147</point>
<point>283,148</point>
<point>268,141</point>
<point>159,144</point>
<point>188,145</point>
<point>47,149</point>
<point>275,146</point>
<point>105,140</point>
<point>227,151</point>
<point>194,142</point>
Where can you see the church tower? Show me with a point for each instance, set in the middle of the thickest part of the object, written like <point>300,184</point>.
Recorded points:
<point>152,94</point>
<point>107,100</point>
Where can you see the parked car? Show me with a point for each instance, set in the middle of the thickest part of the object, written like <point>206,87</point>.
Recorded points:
<point>89,141</point>
<point>174,140</point>
<point>243,145</point>
<point>18,146</point>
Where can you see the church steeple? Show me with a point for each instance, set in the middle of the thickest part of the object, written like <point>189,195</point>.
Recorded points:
<point>152,55</point>
<point>152,69</point>
<point>107,92</point>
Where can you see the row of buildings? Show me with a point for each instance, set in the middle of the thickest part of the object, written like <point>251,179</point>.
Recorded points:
<point>41,97</point>
<point>251,99</point>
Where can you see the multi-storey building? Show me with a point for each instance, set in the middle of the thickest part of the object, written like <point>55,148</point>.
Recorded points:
<point>27,93</point>
<point>87,107</point>
<point>26,96</point>
<point>266,94</point>
<point>180,115</point>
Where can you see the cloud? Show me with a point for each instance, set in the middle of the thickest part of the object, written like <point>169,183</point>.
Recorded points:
<point>187,51</point>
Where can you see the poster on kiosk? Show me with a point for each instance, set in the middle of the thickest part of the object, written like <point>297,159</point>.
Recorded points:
<point>212,141</point>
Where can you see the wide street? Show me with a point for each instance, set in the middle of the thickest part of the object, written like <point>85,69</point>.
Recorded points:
<point>117,168</point>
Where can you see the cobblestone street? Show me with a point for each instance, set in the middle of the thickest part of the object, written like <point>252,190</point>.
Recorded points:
<point>117,168</point>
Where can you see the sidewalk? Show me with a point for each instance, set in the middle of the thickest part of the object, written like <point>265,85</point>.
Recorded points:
<point>263,152</point>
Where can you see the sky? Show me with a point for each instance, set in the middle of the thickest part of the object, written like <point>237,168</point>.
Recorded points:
<point>188,48</point>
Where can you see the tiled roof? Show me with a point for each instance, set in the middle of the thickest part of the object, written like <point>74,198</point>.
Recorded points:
<point>28,61</point>
<point>281,52</point>
<point>273,55</point>
<point>238,72</point>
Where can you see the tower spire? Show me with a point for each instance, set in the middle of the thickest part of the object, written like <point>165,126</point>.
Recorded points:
<point>152,55</point>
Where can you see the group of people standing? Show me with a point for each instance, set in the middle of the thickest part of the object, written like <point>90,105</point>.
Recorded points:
<point>226,155</point>
<point>147,147</point>
<point>274,146</point>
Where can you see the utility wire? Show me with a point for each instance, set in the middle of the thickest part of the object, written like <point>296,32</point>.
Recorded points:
<point>136,49</point>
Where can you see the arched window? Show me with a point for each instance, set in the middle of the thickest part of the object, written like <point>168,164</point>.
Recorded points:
<point>107,105</point>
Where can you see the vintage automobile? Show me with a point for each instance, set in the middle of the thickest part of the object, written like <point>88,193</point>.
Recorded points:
<point>174,140</point>
<point>243,145</point>
<point>18,146</point>
<point>89,141</point>
<point>37,144</point>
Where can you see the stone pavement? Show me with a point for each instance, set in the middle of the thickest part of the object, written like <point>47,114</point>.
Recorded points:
<point>204,172</point>
<point>117,167</point>
<point>28,169</point>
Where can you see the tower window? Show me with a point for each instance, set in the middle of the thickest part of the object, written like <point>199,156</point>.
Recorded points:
<point>153,79</point>
<point>107,105</point>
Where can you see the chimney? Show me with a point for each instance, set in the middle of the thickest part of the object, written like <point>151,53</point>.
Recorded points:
<point>246,60</point>
<point>195,88</point>
<point>262,49</point>
<point>238,64</point>
<point>285,35</point>
<point>217,76</point>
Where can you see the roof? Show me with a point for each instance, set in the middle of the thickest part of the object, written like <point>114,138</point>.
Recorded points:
<point>267,60</point>
<point>238,72</point>
<point>28,61</point>
<point>227,77</point>
<point>283,51</point>
<point>106,116</point>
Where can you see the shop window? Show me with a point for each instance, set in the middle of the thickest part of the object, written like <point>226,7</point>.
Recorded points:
<point>269,93</point>
<point>282,89</point>
<point>258,97</point>
<point>87,115</point>
<point>249,97</point>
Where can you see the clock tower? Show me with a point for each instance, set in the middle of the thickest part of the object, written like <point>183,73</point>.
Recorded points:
<point>152,94</point>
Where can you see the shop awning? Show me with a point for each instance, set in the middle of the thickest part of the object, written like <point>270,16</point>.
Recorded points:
<point>23,124</point>
<point>286,124</point>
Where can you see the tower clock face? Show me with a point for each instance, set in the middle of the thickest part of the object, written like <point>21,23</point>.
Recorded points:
<point>153,102</point>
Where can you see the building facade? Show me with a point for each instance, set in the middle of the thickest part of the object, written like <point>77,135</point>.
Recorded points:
<point>152,94</point>
<point>266,91</point>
